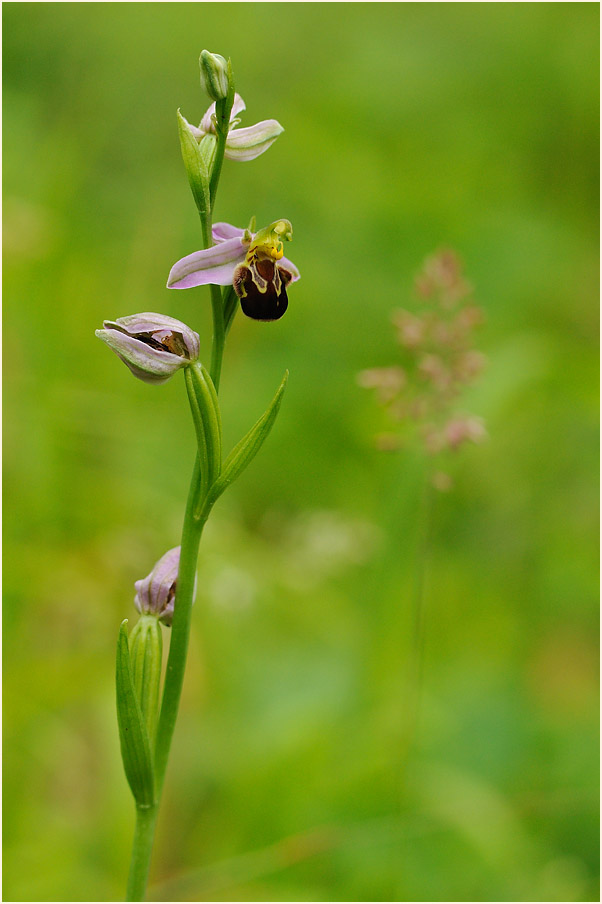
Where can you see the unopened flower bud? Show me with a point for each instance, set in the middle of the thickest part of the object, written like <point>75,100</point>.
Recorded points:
<point>155,594</point>
<point>153,346</point>
<point>214,75</point>
<point>146,651</point>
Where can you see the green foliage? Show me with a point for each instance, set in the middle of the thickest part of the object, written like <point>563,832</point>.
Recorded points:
<point>195,164</point>
<point>208,426</point>
<point>245,451</point>
<point>146,645</point>
<point>133,734</point>
<point>478,129</point>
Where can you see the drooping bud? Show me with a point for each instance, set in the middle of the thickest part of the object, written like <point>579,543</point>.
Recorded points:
<point>155,594</point>
<point>153,346</point>
<point>214,75</point>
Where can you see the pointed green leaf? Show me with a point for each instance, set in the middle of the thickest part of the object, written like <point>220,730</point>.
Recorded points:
<point>207,424</point>
<point>196,167</point>
<point>246,450</point>
<point>135,745</point>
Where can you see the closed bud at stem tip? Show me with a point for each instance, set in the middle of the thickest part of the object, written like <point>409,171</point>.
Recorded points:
<point>214,75</point>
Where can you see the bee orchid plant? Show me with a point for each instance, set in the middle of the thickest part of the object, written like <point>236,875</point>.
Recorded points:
<point>246,265</point>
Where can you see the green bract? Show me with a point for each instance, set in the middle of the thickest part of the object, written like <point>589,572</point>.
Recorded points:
<point>133,734</point>
<point>146,647</point>
<point>195,163</point>
<point>208,426</point>
<point>245,451</point>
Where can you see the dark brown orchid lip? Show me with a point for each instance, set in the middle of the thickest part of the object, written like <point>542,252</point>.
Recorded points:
<point>149,340</point>
<point>261,287</point>
<point>171,343</point>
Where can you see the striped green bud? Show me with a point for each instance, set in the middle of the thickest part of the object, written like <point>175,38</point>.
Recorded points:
<point>214,75</point>
<point>146,650</point>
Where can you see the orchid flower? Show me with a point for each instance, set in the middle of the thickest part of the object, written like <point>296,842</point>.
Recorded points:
<point>153,346</point>
<point>253,263</point>
<point>241,144</point>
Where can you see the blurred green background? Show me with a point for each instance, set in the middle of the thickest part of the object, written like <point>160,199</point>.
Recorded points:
<point>408,126</point>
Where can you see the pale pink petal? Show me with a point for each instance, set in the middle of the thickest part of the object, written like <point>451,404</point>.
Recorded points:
<point>288,265</point>
<point>224,231</point>
<point>214,266</point>
<point>249,143</point>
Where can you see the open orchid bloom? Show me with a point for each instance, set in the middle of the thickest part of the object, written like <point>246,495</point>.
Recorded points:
<point>241,144</point>
<point>251,262</point>
<point>153,346</point>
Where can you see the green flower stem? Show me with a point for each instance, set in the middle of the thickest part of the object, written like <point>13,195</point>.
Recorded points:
<point>191,537</point>
<point>223,109</point>
<point>146,817</point>
<point>217,305</point>
<point>176,664</point>
<point>180,630</point>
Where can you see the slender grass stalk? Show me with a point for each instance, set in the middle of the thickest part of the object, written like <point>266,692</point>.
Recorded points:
<point>415,671</point>
<point>419,605</point>
<point>414,675</point>
<point>223,108</point>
